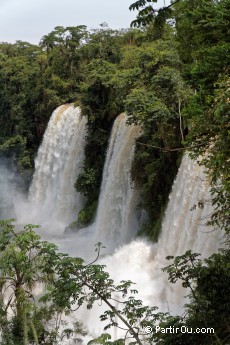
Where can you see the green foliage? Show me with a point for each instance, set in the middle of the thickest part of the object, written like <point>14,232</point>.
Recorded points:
<point>99,104</point>
<point>145,107</point>
<point>29,93</point>
<point>104,71</point>
<point>86,215</point>
<point>156,105</point>
<point>148,14</point>
<point>150,73</point>
<point>25,261</point>
<point>209,297</point>
<point>208,110</point>
<point>104,339</point>
<point>211,135</point>
<point>75,276</point>
<point>202,41</point>
<point>146,72</point>
<point>201,24</point>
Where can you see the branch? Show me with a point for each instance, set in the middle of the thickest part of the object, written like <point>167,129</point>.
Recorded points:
<point>172,150</point>
<point>9,302</point>
<point>179,111</point>
<point>166,7</point>
<point>131,330</point>
<point>98,249</point>
<point>136,6</point>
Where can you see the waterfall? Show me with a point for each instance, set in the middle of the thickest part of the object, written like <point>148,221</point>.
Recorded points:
<point>53,198</point>
<point>141,261</point>
<point>117,214</point>
<point>118,218</point>
<point>184,228</point>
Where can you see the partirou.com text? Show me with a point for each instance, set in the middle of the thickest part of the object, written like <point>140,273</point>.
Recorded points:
<point>182,329</point>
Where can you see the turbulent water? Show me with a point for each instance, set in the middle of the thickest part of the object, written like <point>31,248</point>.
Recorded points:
<point>54,202</point>
<point>183,228</point>
<point>117,215</point>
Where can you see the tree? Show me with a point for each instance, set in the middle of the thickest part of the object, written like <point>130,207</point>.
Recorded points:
<point>26,262</point>
<point>79,283</point>
<point>211,129</point>
<point>202,41</point>
<point>148,13</point>
<point>208,305</point>
<point>26,101</point>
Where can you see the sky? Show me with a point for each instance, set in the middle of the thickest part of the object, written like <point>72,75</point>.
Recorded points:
<point>29,20</point>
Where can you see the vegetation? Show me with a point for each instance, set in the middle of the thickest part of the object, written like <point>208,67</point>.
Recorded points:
<point>170,88</point>
<point>171,76</point>
<point>27,264</point>
<point>202,36</point>
<point>105,71</point>
<point>68,283</point>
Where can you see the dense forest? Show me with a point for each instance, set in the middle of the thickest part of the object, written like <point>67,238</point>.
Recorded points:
<point>170,74</point>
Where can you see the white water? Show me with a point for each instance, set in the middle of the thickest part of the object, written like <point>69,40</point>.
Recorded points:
<point>55,201</point>
<point>182,229</point>
<point>141,261</point>
<point>117,215</point>
<point>117,219</point>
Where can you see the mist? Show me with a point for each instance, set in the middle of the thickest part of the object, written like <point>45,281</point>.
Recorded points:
<point>12,189</point>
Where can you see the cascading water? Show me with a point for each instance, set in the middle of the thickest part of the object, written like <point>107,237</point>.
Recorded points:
<point>187,213</point>
<point>117,216</point>
<point>53,199</point>
<point>184,228</point>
